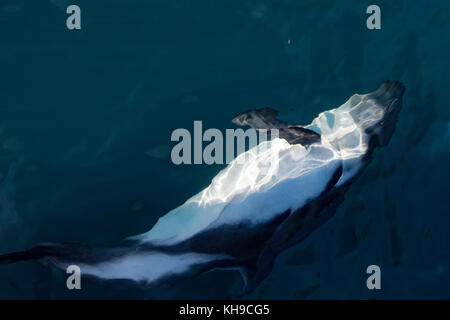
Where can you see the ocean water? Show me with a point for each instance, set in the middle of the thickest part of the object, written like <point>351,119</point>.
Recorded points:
<point>86,117</point>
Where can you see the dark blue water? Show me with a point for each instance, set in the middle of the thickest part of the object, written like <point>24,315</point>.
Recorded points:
<point>86,118</point>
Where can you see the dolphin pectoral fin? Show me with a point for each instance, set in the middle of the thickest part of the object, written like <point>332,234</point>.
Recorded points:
<point>299,135</point>
<point>245,275</point>
<point>36,253</point>
<point>256,274</point>
<point>269,113</point>
<point>253,273</point>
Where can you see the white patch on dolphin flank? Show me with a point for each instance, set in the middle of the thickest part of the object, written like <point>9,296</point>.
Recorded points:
<point>146,266</point>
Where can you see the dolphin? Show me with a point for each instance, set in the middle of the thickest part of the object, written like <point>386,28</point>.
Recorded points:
<point>253,209</point>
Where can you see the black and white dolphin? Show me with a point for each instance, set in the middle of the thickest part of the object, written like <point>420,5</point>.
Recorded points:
<point>253,209</point>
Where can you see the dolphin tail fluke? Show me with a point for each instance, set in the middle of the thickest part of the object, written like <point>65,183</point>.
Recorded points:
<point>35,253</point>
<point>38,253</point>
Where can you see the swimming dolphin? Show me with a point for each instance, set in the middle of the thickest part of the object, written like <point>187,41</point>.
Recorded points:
<point>253,209</point>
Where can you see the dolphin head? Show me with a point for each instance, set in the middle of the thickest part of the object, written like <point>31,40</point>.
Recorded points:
<point>376,113</point>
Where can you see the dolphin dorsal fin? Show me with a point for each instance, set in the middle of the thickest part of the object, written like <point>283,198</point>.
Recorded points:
<point>265,118</point>
<point>269,113</point>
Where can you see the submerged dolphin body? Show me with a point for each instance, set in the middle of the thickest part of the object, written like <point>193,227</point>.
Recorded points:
<point>253,209</point>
